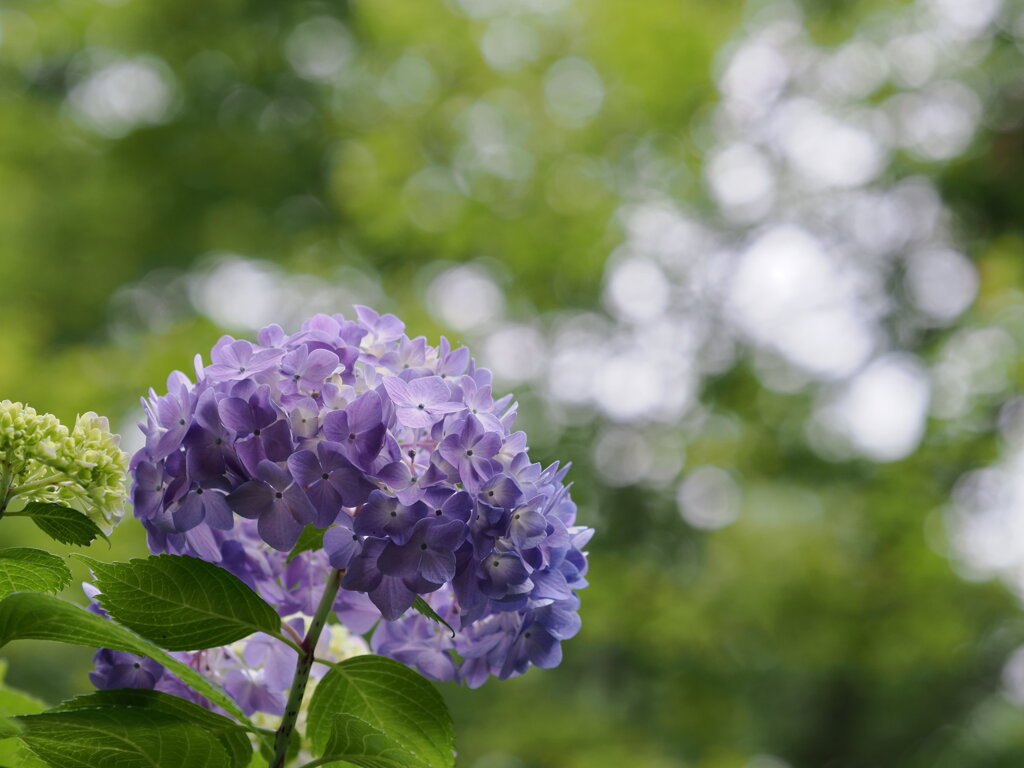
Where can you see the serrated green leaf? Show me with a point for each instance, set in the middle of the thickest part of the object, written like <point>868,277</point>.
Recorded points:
<point>66,525</point>
<point>35,616</point>
<point>392,699</point>
<point>126,738</point>
<point>355,741</point>
<point>25,569</point>
<point>231,736</point>
<point>310,538</point>
<point>422,606</point>
<point>183,603</point>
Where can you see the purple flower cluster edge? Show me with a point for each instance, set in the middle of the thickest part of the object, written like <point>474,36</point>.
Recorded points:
<point>397,450</point>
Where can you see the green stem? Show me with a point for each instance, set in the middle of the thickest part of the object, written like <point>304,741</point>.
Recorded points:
<point>6,478</point>
<point>37,485</point>
<point>297,647</point>
<point>302,667</point>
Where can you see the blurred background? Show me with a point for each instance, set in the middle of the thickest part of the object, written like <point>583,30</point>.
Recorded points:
<point>755,268</point>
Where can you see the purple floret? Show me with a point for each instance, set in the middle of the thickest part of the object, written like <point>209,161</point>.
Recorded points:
<point>118,669</point>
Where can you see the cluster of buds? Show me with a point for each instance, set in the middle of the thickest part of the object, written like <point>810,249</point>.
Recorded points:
<point>41,460</point>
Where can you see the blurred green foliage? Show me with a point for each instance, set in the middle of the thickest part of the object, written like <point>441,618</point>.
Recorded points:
<point>826,627</point>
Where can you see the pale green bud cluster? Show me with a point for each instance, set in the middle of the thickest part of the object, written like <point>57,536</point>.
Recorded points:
<point>26,435</point>
<point>42,460</point>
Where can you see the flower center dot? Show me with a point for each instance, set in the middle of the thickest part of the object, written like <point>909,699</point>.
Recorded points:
<point>423,546</point>
<point>182,422</point>
<point>256,431</point>
<point>351,435</point>
<point>394,514</point>
<point>324,476</point>
<point>421,406</point>
<point>469,453</point>
<point>437,512</point>
<point>278,495</point>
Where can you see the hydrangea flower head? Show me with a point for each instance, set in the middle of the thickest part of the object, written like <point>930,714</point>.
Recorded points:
<point>398,452</point>
<point>42,460</point>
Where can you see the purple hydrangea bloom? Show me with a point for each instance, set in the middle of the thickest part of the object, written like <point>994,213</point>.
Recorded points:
<point>305,371</point>
<point>386,516</point>
<point>428,554</point>
<point>235,360</point>
<point>471,450</point>
<point>279,504</point>
<point>359,428</point>
<point>203,502</point>
<point>255,672</point>
<point>329,480</point>
<point>261,434</point>
<point>421,402</point>
<point>401,454</point>
<point>117,669</point>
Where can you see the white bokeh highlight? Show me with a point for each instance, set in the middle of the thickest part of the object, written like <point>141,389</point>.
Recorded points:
<point>708,498</point>
<point>123,94</point>
<point>881,412</point>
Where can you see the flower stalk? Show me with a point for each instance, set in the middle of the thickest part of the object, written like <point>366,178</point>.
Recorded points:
<point>5,487</point>
<point>302,668</point>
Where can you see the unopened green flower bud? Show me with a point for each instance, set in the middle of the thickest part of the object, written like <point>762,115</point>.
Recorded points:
<point>42,460</point>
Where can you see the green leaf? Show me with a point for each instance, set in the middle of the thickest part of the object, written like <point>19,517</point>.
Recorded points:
<point>14,702</point>
<point>8,728</point>
<point>14,754</point>
<point>126,738</point>
<point>24,569</point>
<point>231,736</point>
<point>423,607</point>
<point>389,697</point>
<point>310,538</point>
<point>183,603</point>
<point>355,741</point>
<point>66,525</point>
<point>34,616</point>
